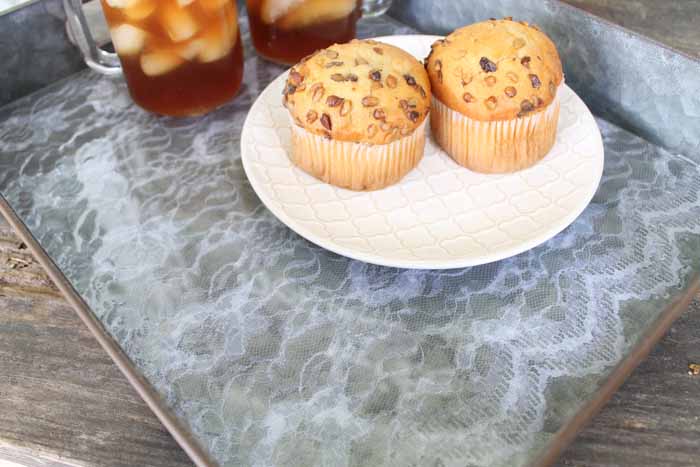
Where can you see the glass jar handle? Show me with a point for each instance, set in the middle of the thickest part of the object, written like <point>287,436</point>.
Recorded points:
<point>372,8</point>
<point>106,63</point>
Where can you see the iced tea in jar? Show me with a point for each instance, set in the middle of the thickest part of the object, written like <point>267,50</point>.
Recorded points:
<point>285,31</point>
<point>179,57</point>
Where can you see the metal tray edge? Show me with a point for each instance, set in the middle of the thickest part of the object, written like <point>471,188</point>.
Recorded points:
<point>182,436</point>
<point>566,434</point>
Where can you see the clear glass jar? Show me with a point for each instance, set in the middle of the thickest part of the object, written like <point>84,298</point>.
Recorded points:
<point>285,31</point>
<point>179,57</point>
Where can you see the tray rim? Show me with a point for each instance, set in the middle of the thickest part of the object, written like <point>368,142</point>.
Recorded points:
<point>549,454</point>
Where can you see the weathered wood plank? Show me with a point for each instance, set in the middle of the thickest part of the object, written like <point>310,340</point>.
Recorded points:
<point>61,397</point>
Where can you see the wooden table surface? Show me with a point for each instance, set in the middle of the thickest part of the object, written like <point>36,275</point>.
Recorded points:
<point>63,401</point>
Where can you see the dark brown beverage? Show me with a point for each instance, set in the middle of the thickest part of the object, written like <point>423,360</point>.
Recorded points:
<point>285,31</point>
<point>191,89</point>
<point>180,57</point>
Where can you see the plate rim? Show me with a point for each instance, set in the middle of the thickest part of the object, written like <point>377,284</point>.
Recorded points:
<point>419,264</point>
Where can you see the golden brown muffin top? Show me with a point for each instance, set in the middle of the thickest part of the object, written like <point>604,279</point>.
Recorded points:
<point>363,91</point>
<point>495,70</point>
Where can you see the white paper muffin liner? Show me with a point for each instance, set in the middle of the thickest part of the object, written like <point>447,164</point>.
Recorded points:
<point>497,146</point>
<point>357,166</point>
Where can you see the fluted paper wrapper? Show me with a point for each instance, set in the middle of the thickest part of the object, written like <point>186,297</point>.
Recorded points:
<point>495,146</point>
<point>357,166</point>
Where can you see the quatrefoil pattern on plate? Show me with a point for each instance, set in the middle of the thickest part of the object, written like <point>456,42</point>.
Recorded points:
<point>440,215</point>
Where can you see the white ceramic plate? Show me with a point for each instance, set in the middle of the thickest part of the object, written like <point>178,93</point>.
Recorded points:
<point>440,215</point>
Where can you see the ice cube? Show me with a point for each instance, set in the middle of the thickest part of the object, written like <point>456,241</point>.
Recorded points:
<point>139,9</point>
<point>118,3</point>
<point>191,49</point>
<point>128,39</point>
<point>159,63</point>
<point>272,10</point>
<point>178,22</point>
<point>316,12</point>
<point>215,46</point>
<point>218,38</point>
<point>231,22</point>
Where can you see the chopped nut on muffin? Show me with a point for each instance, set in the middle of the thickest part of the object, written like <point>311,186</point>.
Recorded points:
<point>356,85</point>
<point>494,86</point>
<point>503,59</point>
<point>359,111</point>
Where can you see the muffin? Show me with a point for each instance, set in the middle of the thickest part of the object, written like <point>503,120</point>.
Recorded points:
<point>495,90</point>
<point>359,113</point>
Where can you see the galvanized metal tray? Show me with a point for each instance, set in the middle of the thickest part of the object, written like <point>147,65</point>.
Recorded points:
<point>255,347</point>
